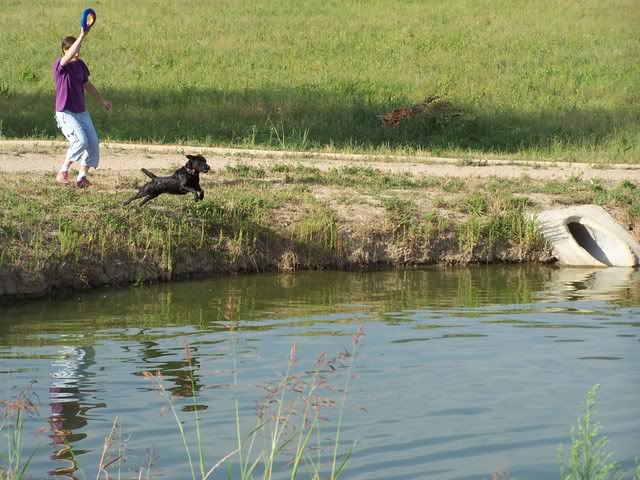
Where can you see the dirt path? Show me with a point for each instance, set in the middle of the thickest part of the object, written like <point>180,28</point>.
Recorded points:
<point>45,156</point>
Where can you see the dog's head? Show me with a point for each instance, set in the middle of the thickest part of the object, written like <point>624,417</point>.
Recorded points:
<point>196,163</point>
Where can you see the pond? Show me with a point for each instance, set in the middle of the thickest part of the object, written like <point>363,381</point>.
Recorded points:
<point>460,372</point>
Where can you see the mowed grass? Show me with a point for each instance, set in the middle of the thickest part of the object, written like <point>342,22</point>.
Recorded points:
<point>542,79</point>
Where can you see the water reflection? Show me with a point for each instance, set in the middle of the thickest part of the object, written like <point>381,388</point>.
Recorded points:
<point>71,393</point>
<point>201,304</point>
<point>182,374</point>
<point>573,284</point>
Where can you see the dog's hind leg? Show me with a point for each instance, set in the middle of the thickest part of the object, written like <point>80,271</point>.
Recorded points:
<point>149,174</point>
<point>127,202</point>
<point>151,196</point>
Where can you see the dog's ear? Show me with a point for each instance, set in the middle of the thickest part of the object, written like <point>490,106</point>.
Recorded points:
<point>191,157</point>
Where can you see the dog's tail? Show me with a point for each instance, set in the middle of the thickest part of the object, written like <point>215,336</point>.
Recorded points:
<point>149,174</point>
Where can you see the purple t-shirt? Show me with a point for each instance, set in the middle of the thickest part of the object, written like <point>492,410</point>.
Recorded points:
<point>70,85</point>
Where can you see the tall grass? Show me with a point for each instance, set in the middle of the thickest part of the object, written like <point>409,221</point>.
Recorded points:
<point>498,217</point>
<point>401,213</point>
<point>287,421</point>
<point>317,228</point>
<point>537,80</point>
<point>14,464</point>
<point>280,424</point>
<point>288,416</point>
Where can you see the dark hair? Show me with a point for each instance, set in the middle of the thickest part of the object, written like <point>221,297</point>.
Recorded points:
<point>67,42</point>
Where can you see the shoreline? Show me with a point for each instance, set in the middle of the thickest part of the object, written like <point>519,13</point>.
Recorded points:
<point>279,212</point>
<point>86,275</point>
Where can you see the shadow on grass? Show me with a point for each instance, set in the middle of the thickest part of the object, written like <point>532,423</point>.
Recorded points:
<point>305,117</point>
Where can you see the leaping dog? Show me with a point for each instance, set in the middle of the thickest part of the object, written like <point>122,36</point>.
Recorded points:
<point>184,180</point>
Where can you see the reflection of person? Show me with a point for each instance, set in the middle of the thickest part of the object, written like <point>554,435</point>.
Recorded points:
<point>71,76</point>
<point>68,411</point>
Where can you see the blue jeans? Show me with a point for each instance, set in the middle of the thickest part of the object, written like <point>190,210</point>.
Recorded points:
<point>78,129</point>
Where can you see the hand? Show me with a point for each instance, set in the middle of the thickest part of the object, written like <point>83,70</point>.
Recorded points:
<point>83,32</point>
<point>106,104</point>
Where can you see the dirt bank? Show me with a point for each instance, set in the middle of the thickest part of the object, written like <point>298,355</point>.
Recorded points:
<point>279,211</point>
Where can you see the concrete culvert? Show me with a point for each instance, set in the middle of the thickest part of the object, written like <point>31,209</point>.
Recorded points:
<point>588,236</point>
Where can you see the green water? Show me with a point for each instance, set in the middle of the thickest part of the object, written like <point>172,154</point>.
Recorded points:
<point>460,371</point>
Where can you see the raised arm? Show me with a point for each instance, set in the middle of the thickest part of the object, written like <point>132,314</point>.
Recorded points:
<point>73,49</point>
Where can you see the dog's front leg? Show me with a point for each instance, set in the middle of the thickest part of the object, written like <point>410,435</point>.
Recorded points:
<point>201,194</point>
<point>193,191</point>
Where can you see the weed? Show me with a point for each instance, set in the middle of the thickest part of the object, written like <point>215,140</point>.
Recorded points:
<point>277,133</point>
<point>587,458</point>
<point>244,170</point>
<point>465,162</point>
<point>401,214</point>
<point>190,372</point>
<point>367,178</point>
<point>69,239</point>
<point>453,185</point>
<point>11,426</point>
<point>317,227</point>
<point>5,89</point>
<point>476,203</point>
<point>469,233</point>
<point>439,202</point>
<point>250,139</point>
<point>281,168</point>
<point>302,138</point>
<point>107,458</point>
<point>278,422</point>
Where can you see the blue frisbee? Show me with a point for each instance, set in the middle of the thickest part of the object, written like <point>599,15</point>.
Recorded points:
<point>88,19</point>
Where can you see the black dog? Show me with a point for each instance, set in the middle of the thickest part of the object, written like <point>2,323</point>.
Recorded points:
<point>185,180</point>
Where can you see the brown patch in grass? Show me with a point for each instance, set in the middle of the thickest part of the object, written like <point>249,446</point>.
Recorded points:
<point>434,106</point>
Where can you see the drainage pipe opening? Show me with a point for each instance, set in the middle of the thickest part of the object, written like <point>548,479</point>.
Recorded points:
<point>588,240</point>
<point>588,236</point>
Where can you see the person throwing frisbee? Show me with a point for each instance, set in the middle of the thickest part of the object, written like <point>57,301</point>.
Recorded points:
<point>71,76</point>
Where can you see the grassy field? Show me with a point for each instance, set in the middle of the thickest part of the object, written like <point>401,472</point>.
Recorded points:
<point>545,79</point>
